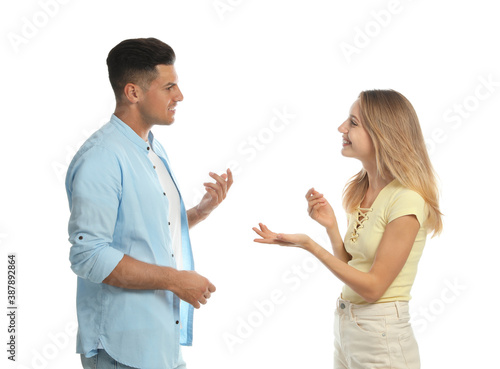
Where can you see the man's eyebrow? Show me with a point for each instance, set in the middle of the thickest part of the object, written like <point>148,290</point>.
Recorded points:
<point>169,84</point>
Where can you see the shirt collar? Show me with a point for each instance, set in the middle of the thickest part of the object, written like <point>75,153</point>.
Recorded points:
<point>131,135</point>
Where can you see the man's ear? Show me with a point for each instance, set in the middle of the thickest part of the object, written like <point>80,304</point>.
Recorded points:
<point>133,93</point>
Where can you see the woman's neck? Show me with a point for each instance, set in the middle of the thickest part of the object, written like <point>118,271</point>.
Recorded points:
<point>375,184</point>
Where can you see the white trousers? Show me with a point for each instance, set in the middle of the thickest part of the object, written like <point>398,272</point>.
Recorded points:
<point>374,336</point>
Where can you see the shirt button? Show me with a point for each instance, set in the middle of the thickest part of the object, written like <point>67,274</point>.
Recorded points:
<point>168,223</point>
<point>176,322</point>
<point>148,147</point>
<point>154,167</point>
<point>172,255</point>
<point>342,305</point>
<point>164,194</point>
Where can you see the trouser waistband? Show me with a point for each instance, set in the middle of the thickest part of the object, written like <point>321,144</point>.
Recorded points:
<point>394,308</point>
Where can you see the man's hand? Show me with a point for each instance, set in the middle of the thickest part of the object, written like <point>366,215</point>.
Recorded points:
<point>193,288</point>
<point>216,193</point>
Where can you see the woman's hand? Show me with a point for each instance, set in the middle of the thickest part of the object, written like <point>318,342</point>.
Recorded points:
<point>319,209</point>
<point>295,240</point>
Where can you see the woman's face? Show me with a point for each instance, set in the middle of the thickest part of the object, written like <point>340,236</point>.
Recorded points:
<point>356,142</point>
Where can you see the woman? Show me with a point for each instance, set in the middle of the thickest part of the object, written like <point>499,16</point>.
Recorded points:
<point>392,203</point>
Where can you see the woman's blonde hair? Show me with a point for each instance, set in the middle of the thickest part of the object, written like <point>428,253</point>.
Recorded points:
<point>400,152</point>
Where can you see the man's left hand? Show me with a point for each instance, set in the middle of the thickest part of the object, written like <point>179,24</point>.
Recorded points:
<point>216,193</point>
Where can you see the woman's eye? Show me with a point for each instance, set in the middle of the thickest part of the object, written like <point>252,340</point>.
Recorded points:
<point>353,123</point>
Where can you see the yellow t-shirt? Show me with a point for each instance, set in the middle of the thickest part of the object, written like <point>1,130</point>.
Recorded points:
<point>366,227</point>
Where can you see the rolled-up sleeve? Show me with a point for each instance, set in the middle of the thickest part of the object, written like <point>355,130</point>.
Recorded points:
<point>93,187</point>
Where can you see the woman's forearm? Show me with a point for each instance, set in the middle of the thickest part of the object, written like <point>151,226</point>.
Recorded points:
<point>364,284</point>
<point>338,244</point>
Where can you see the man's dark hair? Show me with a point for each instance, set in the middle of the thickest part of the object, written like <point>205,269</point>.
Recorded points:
<point>135,61</point>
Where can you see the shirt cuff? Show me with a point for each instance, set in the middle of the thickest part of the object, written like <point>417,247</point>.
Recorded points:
<point>108,259</point>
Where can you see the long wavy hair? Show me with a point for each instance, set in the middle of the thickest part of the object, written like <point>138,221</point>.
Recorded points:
<point>400,152</point>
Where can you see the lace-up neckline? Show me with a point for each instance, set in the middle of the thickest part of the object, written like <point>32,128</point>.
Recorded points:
<point>361,217</point>
<point>361,214</point>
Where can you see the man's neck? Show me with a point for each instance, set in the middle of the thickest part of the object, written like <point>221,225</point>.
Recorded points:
<point>131,118</point>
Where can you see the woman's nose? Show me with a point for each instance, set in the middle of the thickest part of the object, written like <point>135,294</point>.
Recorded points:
<point>343,128</point>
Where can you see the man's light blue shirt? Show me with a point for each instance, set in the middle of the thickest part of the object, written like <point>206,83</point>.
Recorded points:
<point>118,207</point>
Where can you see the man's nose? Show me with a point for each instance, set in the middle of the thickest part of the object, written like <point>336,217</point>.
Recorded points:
<point>179,96</point>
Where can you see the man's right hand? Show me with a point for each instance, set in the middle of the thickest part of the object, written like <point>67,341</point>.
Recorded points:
<point>193,288</point>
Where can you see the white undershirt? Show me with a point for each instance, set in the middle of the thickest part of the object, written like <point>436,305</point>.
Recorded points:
<point>174,205</point>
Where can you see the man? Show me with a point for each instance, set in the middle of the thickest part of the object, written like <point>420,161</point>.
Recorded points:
<point>128,227</point>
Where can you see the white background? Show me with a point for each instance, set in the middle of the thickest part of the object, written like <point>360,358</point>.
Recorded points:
<point>238,65</point>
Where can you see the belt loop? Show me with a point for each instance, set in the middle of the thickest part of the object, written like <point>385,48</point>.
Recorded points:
<point>398,309</point>
<point>351,314</point>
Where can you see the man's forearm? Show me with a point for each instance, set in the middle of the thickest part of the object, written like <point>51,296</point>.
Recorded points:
<point>134,274</point>
<point>195,216</point>
<point>137,275</point>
